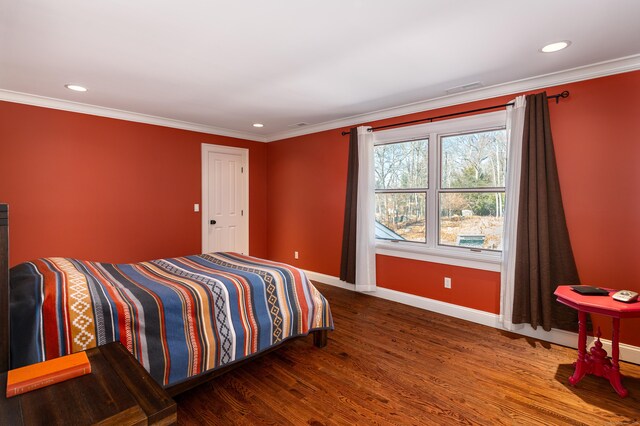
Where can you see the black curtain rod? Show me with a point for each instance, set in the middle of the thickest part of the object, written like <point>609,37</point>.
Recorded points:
<point>557,97</point>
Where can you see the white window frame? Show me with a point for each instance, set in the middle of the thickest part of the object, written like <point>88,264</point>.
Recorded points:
<point>432,251</point>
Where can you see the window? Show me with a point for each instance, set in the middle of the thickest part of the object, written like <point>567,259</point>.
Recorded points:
<point>440,188</point>
<point>471,194</point>
<point>401,181</point>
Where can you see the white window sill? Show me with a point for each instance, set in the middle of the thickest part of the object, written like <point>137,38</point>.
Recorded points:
<point>487,261</point>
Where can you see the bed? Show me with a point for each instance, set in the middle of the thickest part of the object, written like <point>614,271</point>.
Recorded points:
<point>185,319</point>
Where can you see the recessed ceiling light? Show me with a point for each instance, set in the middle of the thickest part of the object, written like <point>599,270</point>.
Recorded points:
<point>258,125</point>
<point>75,87</point>
<point>554,47</point>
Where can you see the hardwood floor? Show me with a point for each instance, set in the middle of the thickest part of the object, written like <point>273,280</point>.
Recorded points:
<point>388,363</point>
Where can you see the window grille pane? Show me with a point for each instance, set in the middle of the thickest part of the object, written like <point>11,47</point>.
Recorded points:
<point>401,216</point>
<point>402,165</point>
<point>474,160</point>
<point>472,219</point>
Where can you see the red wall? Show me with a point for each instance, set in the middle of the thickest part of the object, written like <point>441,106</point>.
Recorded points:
<point>104,189</point>
<point>596,139</point>
<point>472,288</point>
<point>109,190</point>
<point>306,184</point>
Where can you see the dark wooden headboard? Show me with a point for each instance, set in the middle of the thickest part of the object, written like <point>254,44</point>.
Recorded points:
<point>4,287</point>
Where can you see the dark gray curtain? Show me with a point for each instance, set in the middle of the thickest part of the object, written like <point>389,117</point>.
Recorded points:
<point>544,258</point>
<point>348,261</point>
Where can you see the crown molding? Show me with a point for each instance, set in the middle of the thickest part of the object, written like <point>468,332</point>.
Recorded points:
<point>42,101</point>
<point>587,72</point>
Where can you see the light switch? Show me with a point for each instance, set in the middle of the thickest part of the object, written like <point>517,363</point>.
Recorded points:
<point>196,207</point>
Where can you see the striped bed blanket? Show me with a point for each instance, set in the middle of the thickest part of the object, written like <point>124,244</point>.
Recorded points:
<point>179,317</point>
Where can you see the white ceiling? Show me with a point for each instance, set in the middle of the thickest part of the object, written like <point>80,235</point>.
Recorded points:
<point>225,65</point>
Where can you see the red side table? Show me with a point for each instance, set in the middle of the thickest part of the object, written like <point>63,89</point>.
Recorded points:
<point>596,361</point>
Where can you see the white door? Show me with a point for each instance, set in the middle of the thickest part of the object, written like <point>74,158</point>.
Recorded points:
<point>224,199</point>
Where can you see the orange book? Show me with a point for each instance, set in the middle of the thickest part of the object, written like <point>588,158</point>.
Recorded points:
<point>35,376</point>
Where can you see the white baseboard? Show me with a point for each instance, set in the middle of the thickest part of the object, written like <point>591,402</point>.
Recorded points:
<point>628,353</point>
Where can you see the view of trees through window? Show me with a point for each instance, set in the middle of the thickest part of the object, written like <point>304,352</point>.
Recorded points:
<point>471,194</point>
<point>401,179</point>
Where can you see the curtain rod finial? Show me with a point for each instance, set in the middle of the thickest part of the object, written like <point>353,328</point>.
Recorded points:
<point>564,94</point>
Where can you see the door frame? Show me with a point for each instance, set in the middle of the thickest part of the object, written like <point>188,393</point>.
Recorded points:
<point>244,197</point>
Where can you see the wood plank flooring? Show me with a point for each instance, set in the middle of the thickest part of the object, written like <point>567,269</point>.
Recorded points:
<point>388,363</point>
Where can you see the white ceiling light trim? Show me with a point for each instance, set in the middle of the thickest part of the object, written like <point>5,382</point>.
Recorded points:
<point>41,101</point>
<point>556,47</point>
<point>76,88</point>
<point>601,69</point>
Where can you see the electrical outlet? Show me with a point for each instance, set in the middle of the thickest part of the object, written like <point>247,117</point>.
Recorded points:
<point>196,208</point>
<point>447,282</point>
<point>295,254</point>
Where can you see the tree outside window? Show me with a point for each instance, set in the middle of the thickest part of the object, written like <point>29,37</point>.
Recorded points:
<point>469,192</point>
